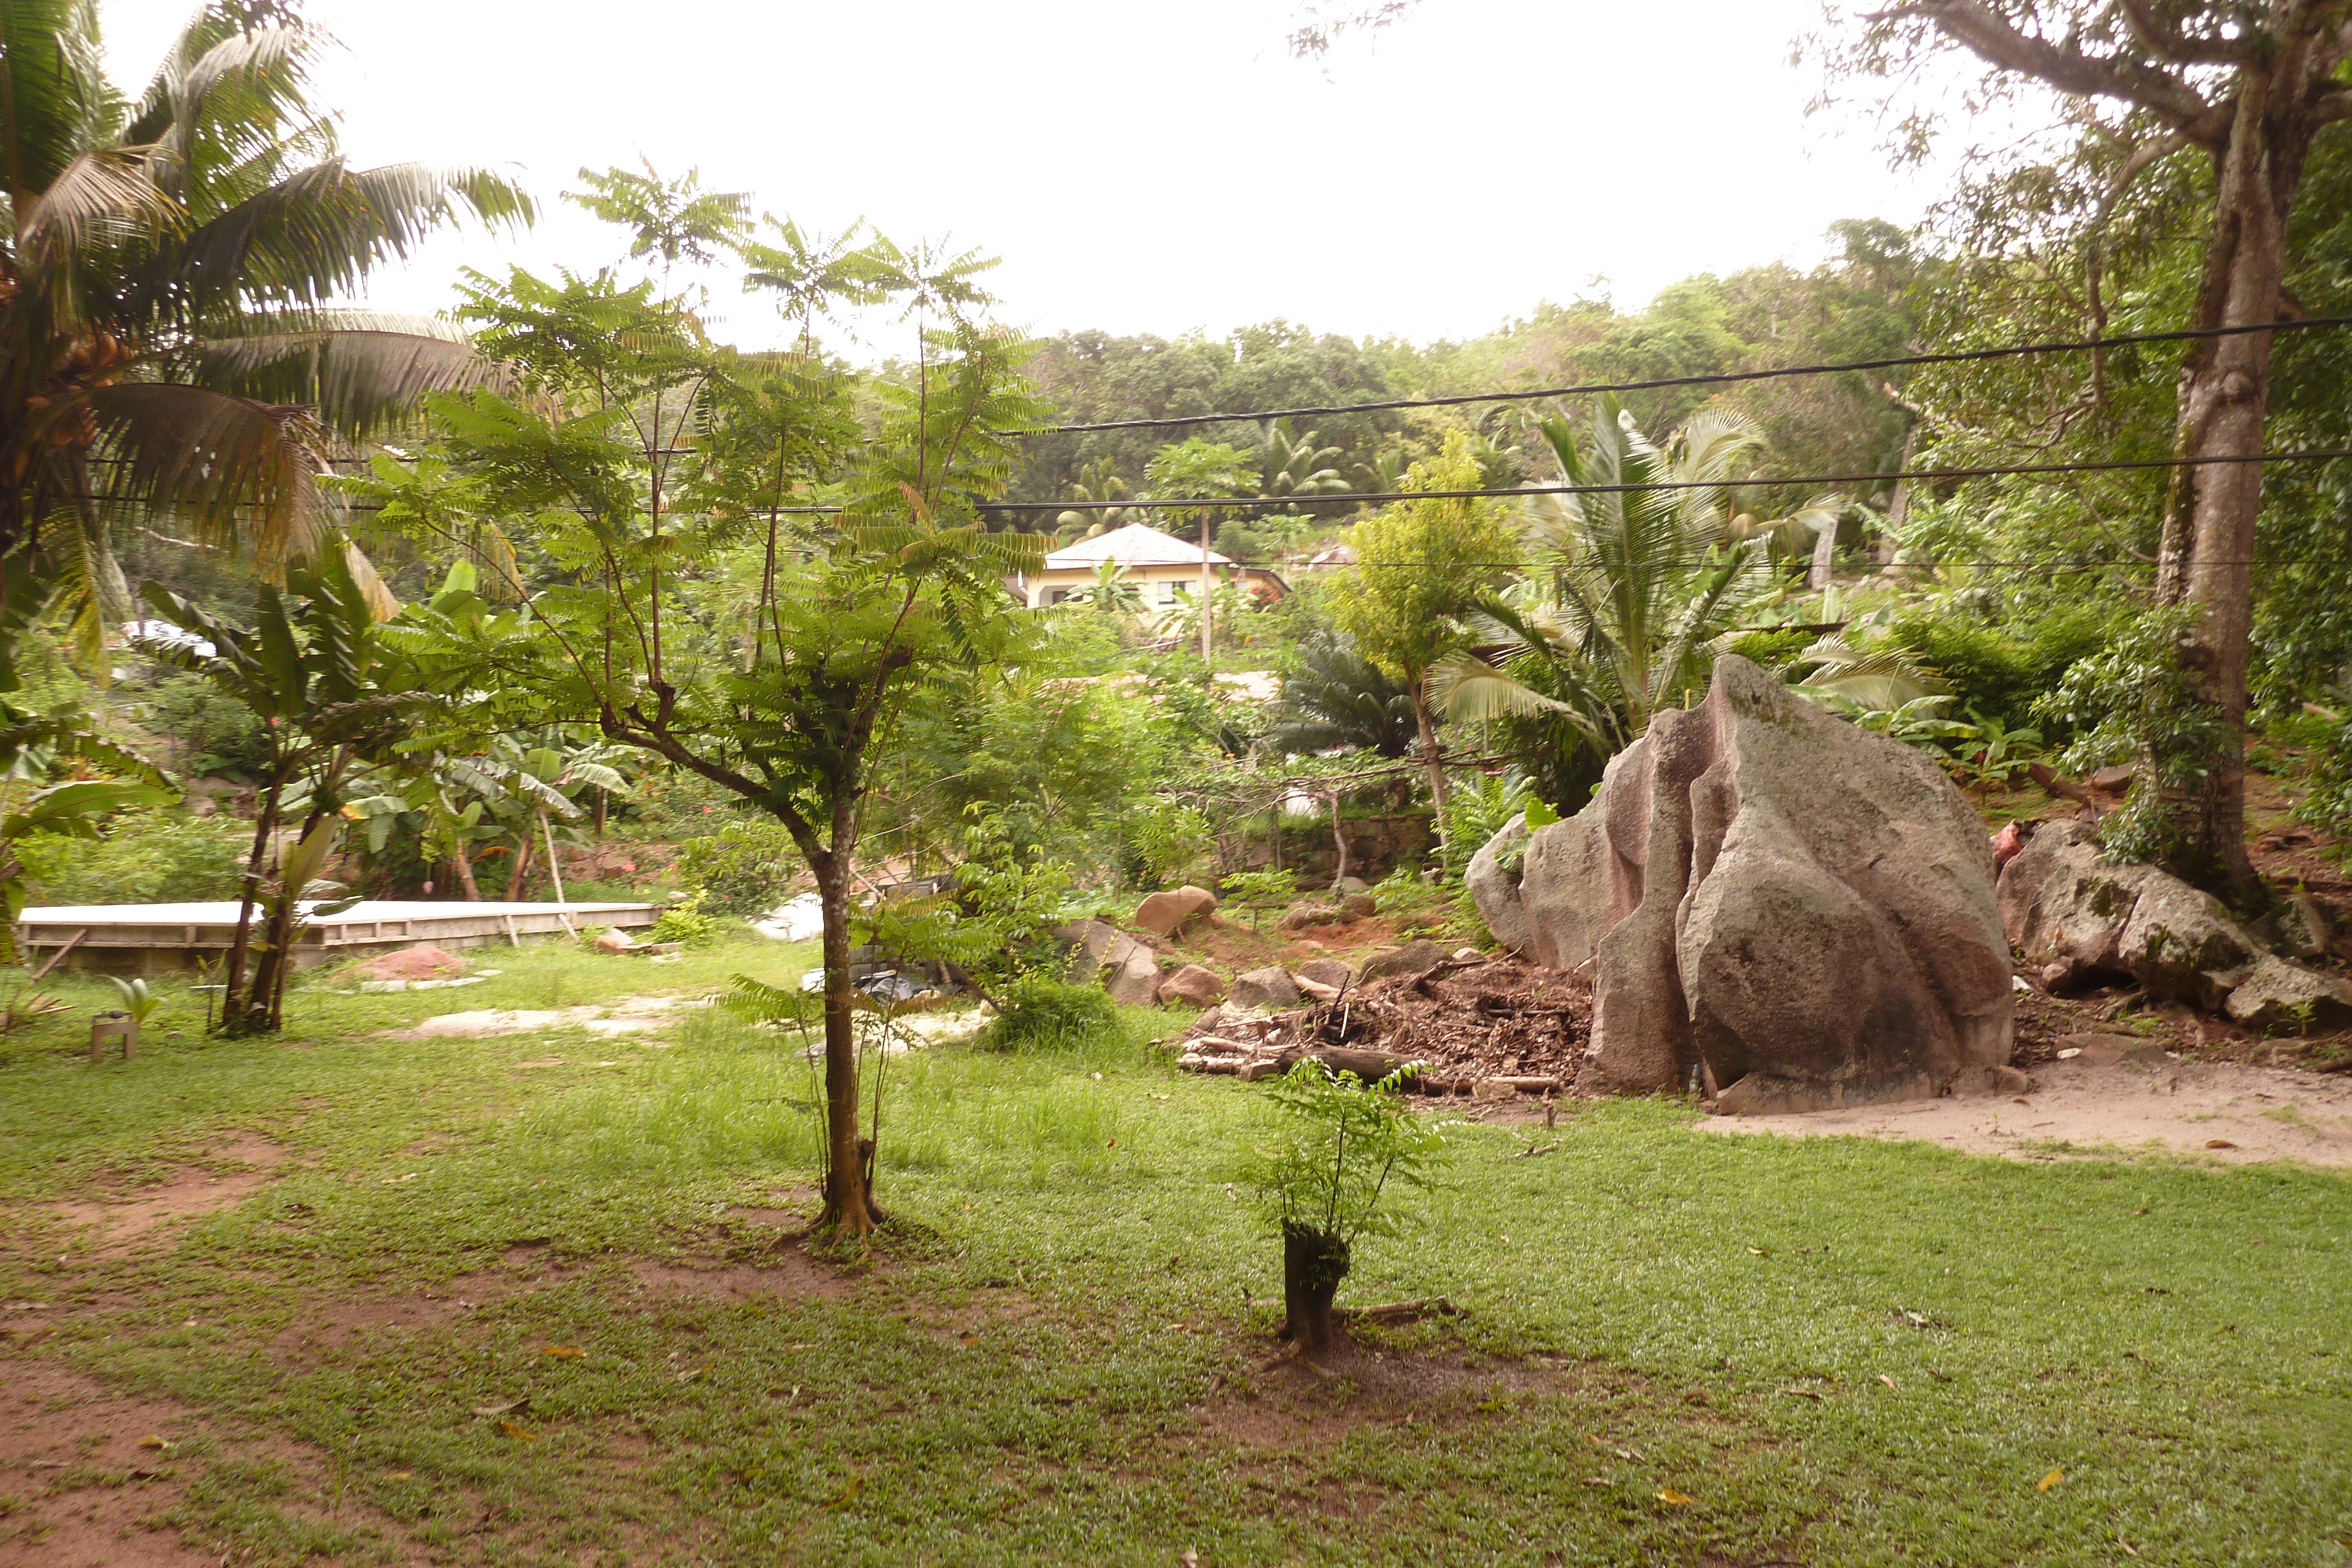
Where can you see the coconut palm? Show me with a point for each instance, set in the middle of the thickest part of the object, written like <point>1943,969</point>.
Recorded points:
<point>1297,468</point>
<point>1095,483</point>
<point>1627,587</point>
<point>168,347</point>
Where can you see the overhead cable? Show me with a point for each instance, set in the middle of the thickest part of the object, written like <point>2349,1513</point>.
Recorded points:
<point>1716,378</point>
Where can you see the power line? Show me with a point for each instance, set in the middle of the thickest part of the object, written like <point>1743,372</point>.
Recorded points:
<point>1719,378</point>
<point>1985,471</point>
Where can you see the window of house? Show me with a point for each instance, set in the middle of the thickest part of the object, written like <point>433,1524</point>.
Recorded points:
<point>1167,593</point>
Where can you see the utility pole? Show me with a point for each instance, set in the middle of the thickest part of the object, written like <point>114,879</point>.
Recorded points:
<point>1204,587</point>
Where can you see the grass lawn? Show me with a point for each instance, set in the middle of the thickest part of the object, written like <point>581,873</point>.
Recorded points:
<point>1676,1349</point>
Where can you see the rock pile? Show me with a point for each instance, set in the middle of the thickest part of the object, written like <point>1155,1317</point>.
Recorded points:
<point>2078,920</point>
<point>1799,913</point>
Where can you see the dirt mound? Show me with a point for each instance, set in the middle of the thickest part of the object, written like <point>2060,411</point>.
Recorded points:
<point>425,963</point>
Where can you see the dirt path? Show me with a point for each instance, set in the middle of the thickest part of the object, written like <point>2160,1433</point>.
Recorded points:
<point>2222,1111</point>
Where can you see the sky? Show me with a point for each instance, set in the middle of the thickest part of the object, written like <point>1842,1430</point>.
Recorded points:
<point>1162,169</point>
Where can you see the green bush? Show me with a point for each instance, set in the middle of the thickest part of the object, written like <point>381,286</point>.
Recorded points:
<point>684,922</point>
<point>1044,1014</point>
<point>1996,673</point>
<point>741,869</point>
<point>146,857</point>
<point>1774,649</point>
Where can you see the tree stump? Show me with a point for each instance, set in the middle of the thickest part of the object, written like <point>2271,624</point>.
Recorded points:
<point>1313,1264</point>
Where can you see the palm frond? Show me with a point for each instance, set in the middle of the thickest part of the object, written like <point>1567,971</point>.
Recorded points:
<point>58,102</point>
<point>1469,689</point>
<point>361,372</point>
<point>228,467</point>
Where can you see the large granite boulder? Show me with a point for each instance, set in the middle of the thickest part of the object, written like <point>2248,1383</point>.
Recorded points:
<point>1493,879</point>
<point>1799,910</point>
<point>1167,913</point>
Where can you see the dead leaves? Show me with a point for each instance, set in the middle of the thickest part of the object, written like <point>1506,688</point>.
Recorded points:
<point>565,1352</point>
<point>2051,1480</point>
<point>1671,1497</point>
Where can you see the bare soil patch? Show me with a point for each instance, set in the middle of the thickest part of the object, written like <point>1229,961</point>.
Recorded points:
<point>2226,1112</point>
<point>95,1472</point>
<point>1296,1402</point>
<point>231,1173</point>
<point>782,1273</point>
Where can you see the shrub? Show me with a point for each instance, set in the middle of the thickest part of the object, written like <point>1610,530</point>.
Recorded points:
<point>146,857</point>
<point>1044,1014</point>
<point>684,922</point>
<point>741,869</point>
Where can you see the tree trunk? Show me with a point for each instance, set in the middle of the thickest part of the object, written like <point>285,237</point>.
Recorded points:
<point>264,1012</point>
<point>1338,837</point>
<point>464,865</point>
<point>1206,588</point>
<point>1435,763</point>
<point>601,803</point>
<point>2205,557</point>
<point>233,992</point>
<point>554,871</point>
<point>1824,557</point>
<point>522,868</point>
<point>1313,1264</point>
<point>849,1208</point>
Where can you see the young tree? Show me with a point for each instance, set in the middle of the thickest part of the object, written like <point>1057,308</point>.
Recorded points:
<point>1421,566</point>
<point>853,616</point>
<point>2246,89</point>
<point>307,669</point>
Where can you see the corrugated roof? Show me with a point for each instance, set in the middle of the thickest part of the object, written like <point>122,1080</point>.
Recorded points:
<point>1138,544</point>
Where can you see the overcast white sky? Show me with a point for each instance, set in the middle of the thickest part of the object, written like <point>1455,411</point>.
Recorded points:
<point>1139,167</point>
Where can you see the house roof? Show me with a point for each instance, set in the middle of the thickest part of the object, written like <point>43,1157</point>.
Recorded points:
<point>1138,544</point>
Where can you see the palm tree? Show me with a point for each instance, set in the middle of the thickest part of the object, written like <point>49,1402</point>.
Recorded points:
<point>168,344</point>
<point>1337,698</point>
<point>1095,483</point>
<point>1295,467</point>
<point>1626,587</point>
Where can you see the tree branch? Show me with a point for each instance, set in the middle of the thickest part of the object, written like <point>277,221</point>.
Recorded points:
<point>2167,42</point>
<point>1992,38</point>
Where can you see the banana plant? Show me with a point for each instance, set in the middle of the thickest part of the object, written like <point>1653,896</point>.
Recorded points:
<point>309,669</point>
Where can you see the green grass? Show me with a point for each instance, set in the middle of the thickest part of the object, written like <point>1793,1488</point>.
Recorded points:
<point>1007,1383</point>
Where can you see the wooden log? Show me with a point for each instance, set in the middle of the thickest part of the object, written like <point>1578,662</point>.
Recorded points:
<point>1371,1066</point>
<point>2053,782</point>
<point>1411,1311</point>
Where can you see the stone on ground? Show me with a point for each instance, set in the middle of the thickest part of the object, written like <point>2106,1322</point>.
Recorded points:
<point>1131,973</point>
<point>1493,880</point>
<point>1167,913</point>
<point>1269,989</point>
<point>1327,972</point>
<point>2279,994</point>
<point>1412,958</point>
<point>1194,985</point>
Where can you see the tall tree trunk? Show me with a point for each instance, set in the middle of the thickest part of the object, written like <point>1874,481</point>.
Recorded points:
<point>2205,557</point>
<point>234,1006</point>
<point>1206,588</point>
<point>554,871</point>
<point>1429,755</point>
<point>464,865</point>
<point>849,1208</point>
<point>1338,837</point>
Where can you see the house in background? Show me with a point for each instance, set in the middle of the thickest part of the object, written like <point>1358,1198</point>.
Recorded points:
<point>1158,564</point>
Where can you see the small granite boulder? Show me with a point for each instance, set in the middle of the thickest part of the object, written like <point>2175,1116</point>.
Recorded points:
<point>1269,989</point>
<point>1131,973</point>
<point>1194,985</point>
<point>1167,913</point>
<point>1412,958</point>
<point>1327,972</point>
<point>2279,993</point>
<point>1493,880</point>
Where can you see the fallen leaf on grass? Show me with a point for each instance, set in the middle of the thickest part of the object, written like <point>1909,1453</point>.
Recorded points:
<point>1610,1448</point>
<point>690,1376</point>
<point>2219,1143</point>
<point>1813,1393</point>
<point>2127,1546</point>
<point>512,1405</point>
<point>1596,1481</point>
<point>856,1484</point>
<point>567,1352</point>
<point>399,1475</point>
<point>158,1444</point>
<point>1762,1252</point>
<point>516,1430</point>
<point>2051,1480</point>
<point>1672,1495</point>
<point>1887,1380</point>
